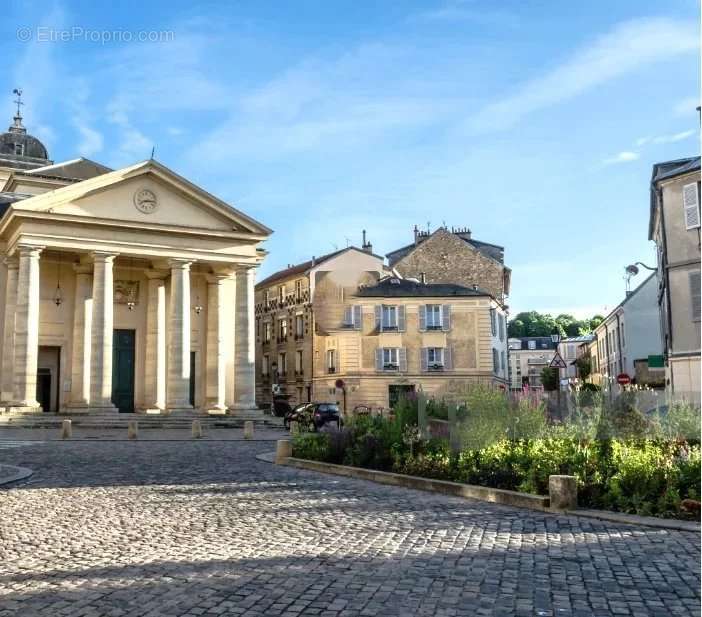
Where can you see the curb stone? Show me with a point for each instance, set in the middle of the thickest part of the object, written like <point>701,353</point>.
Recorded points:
<point>603,515</point>
<point>10,473</point>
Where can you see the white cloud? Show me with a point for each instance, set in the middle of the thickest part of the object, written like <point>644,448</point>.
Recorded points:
<point>687,106</point>
<point>627,47</point>
<point>669,139</point>
<point>466,11</point>
<point>92,142</point>
<point>622,157</point>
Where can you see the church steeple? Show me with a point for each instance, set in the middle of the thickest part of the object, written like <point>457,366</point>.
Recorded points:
<point>17,126</point>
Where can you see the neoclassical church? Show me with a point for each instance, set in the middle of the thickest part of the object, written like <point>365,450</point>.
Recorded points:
<point>127,290</point>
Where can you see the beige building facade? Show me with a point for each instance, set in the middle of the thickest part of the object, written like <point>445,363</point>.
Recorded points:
<point>528,356</point>
<point>674,226</point>
<point>129,290</point>
<point>341,328</point>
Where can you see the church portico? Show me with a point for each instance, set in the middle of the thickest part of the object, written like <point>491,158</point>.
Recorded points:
<point>129,291</point>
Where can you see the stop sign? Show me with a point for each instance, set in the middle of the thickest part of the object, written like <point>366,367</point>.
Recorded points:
<point>623,379</point>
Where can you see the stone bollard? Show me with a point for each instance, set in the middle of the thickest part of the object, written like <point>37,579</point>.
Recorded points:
<point>283,450</point>
<point>294,428</point>
<point>563,492</point>
<point>197,429</point>
<point>248,429</point>
<point>66,429</point>
<point>132,429</point>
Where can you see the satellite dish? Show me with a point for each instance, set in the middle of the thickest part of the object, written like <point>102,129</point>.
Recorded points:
<point>632,270</point>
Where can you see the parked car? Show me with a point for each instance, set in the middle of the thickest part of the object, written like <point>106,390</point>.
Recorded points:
<point>313,416</point>
<point>326,413</point>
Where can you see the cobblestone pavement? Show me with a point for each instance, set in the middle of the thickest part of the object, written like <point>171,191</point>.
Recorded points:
<point>8,433</point>
<point>204,529</point>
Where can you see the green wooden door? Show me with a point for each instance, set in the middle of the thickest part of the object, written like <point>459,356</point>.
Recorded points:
<point>123,370</point>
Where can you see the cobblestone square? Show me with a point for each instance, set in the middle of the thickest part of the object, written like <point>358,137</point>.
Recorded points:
<point>168,528</point>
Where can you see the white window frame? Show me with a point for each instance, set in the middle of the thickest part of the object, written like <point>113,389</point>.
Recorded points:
<point>391,310</point>
<point>299,325</point>
<point>283,328</point>
<point>267,331</point>
<point>391,358</point>
<point>434,316</point>
<point>691,205</point>
<point>437,362</point>
<point>331,361</point>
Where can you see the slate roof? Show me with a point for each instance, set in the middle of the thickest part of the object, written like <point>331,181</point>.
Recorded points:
<point>542,342</point>
<point>665,171</point>
<point>393,287</point>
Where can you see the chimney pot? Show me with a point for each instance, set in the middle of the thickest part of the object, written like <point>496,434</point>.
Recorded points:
<point>423,278</point>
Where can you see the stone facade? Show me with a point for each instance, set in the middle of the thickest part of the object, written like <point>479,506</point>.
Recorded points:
<point>447,257</point>
<point>109,305</point>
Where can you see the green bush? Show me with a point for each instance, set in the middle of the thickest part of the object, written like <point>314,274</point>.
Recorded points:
<point>623,459</point>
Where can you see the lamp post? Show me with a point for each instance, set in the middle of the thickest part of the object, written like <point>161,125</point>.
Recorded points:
<point>556,339</point>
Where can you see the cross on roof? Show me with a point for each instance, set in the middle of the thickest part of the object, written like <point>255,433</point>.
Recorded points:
<point>18,100</point>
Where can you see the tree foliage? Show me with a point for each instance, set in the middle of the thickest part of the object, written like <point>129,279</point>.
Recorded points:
<point>533,323</point>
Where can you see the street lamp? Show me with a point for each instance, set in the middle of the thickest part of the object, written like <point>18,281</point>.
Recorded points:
<point>633,270</point>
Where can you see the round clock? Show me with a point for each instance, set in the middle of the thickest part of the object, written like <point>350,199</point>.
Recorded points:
<point>145,201</point>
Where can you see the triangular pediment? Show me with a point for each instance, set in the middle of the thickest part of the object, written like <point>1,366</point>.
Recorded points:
<point>146,194</point>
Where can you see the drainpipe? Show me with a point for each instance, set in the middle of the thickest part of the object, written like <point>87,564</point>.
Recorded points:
<point>619,345</point>
<point>666,280</point>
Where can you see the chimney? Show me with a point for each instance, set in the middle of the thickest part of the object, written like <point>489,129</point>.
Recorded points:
<point>314,261</point>
<point>366,246</point>
<point>416,235</point>
<point>423,278</point>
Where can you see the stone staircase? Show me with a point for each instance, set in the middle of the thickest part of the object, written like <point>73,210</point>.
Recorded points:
<point>146,421</point>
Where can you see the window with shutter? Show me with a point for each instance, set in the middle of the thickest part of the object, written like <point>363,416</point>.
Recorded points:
<point>691,206</point>
<point>448,360</point>
<point>495,361</point>
<point>502,326</point>
<point>422,317</point>
<point>402,357</point>
<point>435,358</point>
<point>424,359</point>
<point>379,359</point>
<point>357,317</point>
<point>493,325</point>
<point>433,316</point>
<point>348,317</point>
<point>401,318</point>
<point>695,295</point>
<point>379,317</point>
<point>446,317</point>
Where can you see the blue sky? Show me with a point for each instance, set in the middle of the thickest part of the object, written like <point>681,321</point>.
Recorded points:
<point>533,123</point>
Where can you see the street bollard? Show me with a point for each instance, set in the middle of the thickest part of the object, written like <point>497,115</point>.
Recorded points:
<point>294,428</point>
<point>563,492</point>
<point>132,429</point>
<point>197,429</point>
<point>248,429</point>
<point>66,429</point>
<point>283,450</point>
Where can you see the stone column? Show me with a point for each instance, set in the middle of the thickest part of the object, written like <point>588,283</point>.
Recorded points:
<point>102,332</point>
<point>178,389</point>
<point>244,342</point>
<point>155,377</point>
<point>27,329</point>
<point>82,321</point>
<point>8,347</point>
<point>216,361</point>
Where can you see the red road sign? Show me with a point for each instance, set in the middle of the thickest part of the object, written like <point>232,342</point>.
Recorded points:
<point>623,379</point>
<point>340,383</point>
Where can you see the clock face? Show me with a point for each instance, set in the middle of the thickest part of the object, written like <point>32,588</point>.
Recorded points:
<point>145,201</point>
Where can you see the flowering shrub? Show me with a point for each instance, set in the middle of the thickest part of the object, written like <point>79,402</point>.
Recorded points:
<point>650,468</point>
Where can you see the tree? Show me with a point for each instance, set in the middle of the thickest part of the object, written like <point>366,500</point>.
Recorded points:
<point>550,378</point>
<point>584,366</point>
<point>533,323</point>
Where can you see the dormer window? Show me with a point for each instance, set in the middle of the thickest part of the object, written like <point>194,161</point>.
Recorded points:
<point>19,149</point>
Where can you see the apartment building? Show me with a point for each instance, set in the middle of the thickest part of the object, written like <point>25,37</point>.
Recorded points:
<point>674,225</point>
<point>528,356</point>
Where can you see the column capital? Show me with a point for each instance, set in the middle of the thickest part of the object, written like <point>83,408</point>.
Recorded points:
<point>103,256</point>
<point>12,263</point>
<point>29,249</point>
<point>179,263</point>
